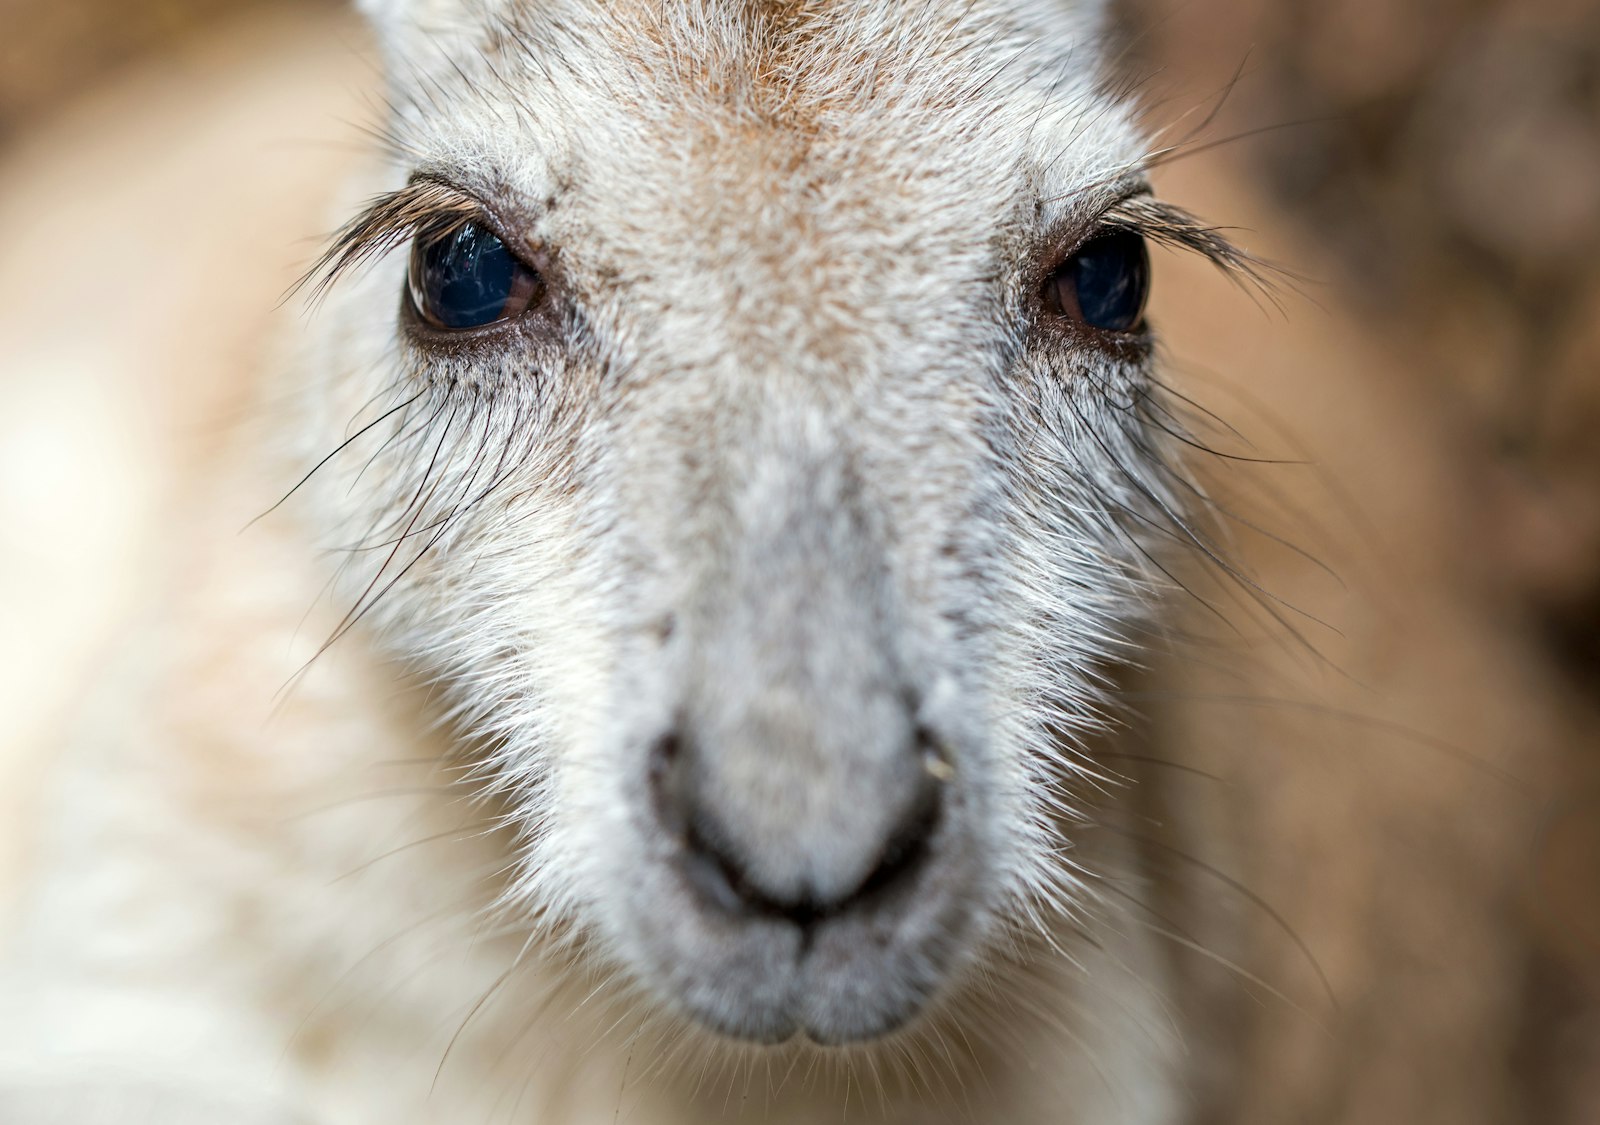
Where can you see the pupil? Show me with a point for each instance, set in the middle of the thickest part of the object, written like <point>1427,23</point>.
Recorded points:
<point>467,278</point>
<point>1112,277</point>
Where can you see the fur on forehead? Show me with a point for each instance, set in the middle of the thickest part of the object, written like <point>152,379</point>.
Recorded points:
<point>773,35</point>
<point>499,94</point>
<point>1082,17</point>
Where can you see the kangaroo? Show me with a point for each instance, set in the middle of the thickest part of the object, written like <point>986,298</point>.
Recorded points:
<point>734,475</point>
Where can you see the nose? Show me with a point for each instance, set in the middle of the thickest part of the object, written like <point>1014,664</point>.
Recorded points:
<point>808,854</point>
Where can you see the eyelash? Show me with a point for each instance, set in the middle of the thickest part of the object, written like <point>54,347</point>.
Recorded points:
<point>387,223</point>
<point>426,203</point>
<point>1164,224</point>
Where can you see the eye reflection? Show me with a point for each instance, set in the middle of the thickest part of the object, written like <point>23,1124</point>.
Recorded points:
<point>1104,284</point>
<point>466,278</point>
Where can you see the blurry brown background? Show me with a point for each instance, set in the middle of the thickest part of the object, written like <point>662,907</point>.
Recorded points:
<point>52,51</point>
<point>1418,799</point>
<point>1424,809</point>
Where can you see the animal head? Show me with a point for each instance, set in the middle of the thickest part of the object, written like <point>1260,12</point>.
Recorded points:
<point>761,448</point>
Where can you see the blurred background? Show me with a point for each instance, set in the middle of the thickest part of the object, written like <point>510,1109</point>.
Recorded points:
<point>1399,783</point>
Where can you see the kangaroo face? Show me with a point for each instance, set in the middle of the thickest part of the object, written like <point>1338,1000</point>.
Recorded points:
<point>756,417</point>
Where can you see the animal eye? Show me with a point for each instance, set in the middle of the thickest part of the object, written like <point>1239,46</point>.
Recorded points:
<point>1104,284</point>
<point>466,278</point>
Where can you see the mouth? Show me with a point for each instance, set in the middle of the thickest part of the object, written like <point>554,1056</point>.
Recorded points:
<point>717,931</point>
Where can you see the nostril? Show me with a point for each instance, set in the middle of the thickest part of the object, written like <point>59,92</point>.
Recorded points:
<point>722,879</point>
<point>907,849</point>
<point>708,867</point>
<point>664,755</point>
<point>717,879</point>
<point>667,784</point>
<point>711,864</point>
<point>745,857</point>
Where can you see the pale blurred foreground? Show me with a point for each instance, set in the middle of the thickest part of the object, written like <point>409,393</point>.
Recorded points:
<point>151,227</point>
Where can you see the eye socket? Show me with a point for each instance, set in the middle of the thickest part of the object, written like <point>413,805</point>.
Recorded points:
<point>1104,284</point>
<point>466,278</point>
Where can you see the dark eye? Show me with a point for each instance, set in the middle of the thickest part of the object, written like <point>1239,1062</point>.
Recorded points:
<point>466,278</point>
<point>1104,284</point>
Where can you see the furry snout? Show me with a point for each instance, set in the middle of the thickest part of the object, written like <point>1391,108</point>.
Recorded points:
<point>828,893</point>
